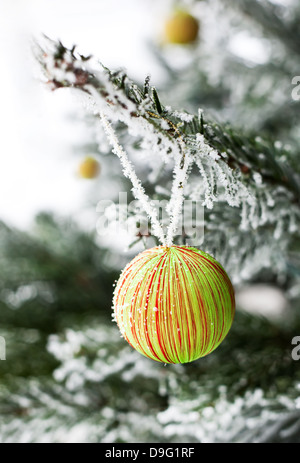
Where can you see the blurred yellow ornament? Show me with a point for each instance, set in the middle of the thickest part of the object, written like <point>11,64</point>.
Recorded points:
<point>89,168</point>
<point>181,28</point>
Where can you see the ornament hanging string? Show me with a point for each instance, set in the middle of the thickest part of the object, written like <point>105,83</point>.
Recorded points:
<point>180,175</point>
<point>130,173</point>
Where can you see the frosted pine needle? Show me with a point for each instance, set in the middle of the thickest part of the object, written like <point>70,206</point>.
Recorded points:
<point>159,130</point>
<point>216,171</point>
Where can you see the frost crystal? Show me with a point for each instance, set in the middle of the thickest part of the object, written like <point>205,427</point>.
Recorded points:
<point>214,172</point>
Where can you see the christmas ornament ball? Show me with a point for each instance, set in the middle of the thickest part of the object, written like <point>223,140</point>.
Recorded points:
<point>89,168</point>
<point>174,304</point>
<point>181,28</point>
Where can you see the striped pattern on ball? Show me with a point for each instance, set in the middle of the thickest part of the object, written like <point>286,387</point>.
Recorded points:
<point>174,304</point>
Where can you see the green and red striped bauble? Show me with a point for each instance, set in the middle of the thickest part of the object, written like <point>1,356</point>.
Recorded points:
<point>174,304</point>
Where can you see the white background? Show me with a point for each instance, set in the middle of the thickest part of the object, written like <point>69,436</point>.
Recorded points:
<point>38,168</point>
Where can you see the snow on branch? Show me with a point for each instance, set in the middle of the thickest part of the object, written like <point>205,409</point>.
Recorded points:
<point>214,171</point>
<point>235,169</point>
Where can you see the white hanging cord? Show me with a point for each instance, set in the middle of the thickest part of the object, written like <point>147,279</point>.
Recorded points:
<point>130,173</point>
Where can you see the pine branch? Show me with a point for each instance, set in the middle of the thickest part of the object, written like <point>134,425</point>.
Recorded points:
<point>120,95</point>
<point>258,177</point>
<point>253,154</point>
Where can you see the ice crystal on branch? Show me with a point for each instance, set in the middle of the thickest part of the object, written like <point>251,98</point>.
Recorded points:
<point>215,172</point>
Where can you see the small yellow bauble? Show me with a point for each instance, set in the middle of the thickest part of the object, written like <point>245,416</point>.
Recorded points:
<point>181,28</point>
<point>89,168</point>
